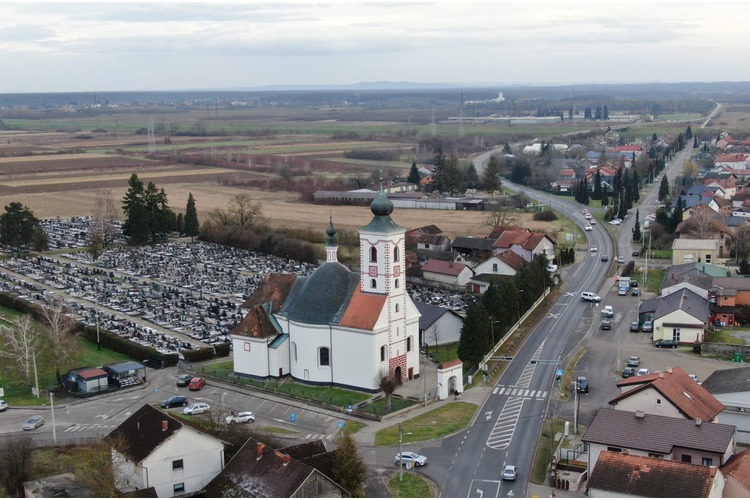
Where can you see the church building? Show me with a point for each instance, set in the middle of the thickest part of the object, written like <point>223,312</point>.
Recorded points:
<point>336,327</point>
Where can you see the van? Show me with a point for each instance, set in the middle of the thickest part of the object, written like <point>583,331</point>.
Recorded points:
<point>590,297</point>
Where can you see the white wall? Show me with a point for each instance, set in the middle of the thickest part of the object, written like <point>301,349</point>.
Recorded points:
<point>253,361</point>
<point>646,400</point>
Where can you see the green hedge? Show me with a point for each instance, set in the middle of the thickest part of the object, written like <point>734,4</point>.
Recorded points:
<point>222,349</point>
<point>127,347</point>
<point>202,354</point>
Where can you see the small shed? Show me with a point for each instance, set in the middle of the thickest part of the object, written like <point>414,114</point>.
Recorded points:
<point>126,373</point>
<point>86,380</point>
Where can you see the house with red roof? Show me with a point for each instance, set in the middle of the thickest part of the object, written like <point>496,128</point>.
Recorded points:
<point>494,269</point>
<point>732,160</point>
<point>527,244</point>
<point>444,271</point>
<point>737,476</point>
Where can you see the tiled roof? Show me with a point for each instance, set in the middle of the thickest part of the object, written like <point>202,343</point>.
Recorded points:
<point>733,283</point>
<point>274,289</point>
<point>430,314</point>
<point>256,324</point>
<point>527,240</point>
<point>730,158</point>
<point>433,239</point>
<point>636,476</point>
<point>728,380</point>
<point>92,373</point>
<point>738,468</point>
<point>450,364</point>
<point>143,433</point>
<point>321,297</point>
<point>314,454</point>
<point>443,267</point>
<point>677,387</point>
<point>656,433</point>
<point>473,243</point>
<point>684,300</point>
<point>512,259</point>
<point>498,230</point>
<point>431,229</point>
<point>363,310</point>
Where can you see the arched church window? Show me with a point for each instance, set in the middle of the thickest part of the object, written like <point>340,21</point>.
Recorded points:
<point>395,284</point>
<point>324,356</point>
<point>373,254</point>
<point>395,254</point>
<point>294,351</point>
<point>396,307</point>
<point>383,353</point>
<point>408,344</point>
<point>373,283</point>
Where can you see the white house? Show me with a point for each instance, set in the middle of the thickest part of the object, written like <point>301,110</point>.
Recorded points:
<point>732,388</point>
<point>153,449</point>
<point>681,316</point>
<point>336,327</point>
<point>443,271</point>
<point>438,325</point>
<point>527,244</point>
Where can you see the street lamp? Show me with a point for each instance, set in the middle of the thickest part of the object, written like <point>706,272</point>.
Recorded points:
<point>400,451</point>
<point>52,405</point>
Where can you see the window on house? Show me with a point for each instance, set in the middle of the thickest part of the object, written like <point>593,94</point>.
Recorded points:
<point>687,459</point>
<point>494,268</point>
<point>707,461</point>
<point>396,283</point>
<point>373,254</point>
<point>373,283</point>
<point>177,464</point>
<point>655,455</point>
<point>708,258</point>
<point>612,448</point>
<point>395,254</point>
<point>397,306</point>
<point>382,353</point>
<point>179,488</point>
<point>247,346</point>
<point>294,351</point>
<point>427,246</point>
<point>408,344</point>
<point>676,334</point>
<point>324,355</point>
<point>658,402</point>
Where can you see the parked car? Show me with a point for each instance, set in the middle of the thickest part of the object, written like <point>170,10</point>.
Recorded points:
<point>615,222</point>
<point>608,312</point>
<point>628,372</point>
<point>196,383</point>
<point>174,401</point>
<point>633,284</point>
<point>3,405</point>
<point>606,325</point>
<point>643,371</point>
<point>621,260</point>
<point>183,380</point>
<point>582,385</point>
<point>411,457</point>
<point>634,361</point>
<point>242,417</point>
<point>552,268</point>
<point>635,326</point>
<point>648,326</point>
<point>695,377</point>
<point>622,291</point>
<point>605,258</point>
<point>196,409</point>
<point>636,253</point>
<point>590,297</point>
<point>635,292</point>
<point>669,344</point>
<point>33,423</point>
<point>510,473</point>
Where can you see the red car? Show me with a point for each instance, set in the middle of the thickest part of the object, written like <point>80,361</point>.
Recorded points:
<point>197,383</point>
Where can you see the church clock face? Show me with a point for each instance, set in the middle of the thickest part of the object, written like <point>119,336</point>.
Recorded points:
<point>396,270</point>
<point>373,271</point>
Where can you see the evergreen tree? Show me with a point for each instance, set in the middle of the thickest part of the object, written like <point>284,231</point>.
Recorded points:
<point>597,194</point>
<point>349,469</point>
<point>676,218</point>
<point>414,177</point>
<point>475,335</point>
<point>637,227</point>
<point>605,198</point>
<point>491,175</point>
<point>585,192</point>
<point>506,149</point>
<point>472,178</point>
<point>192,226</point>
<point>744,267</point>
<point>18,226</point>
<point>663,188</point>
<point>695,142</point>
<point>134,210</point>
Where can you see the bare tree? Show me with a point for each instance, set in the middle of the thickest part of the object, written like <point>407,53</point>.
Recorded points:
<point>742,241</point>
<point>701,221</point>
<point>108,474</point>
<point>244,212</point>
<point>220,216</point>
<point>61,335</point>
<point>500,215</point>
<point>15,461</point>
<point>387,384</point>
<point>22,342</point>
<point>435,335</point>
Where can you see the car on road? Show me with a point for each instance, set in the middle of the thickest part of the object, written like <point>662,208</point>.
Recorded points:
<point>196,409</point>
<point>622,291</point>
<point>3,405</point>
<point>667,344</point>
<point>635,326</point>
<point>606,325</point>
<point>33,423</point>
<point>628,372</point>
<point>634,361</point>
<point>594,249</point>
<point>174,402</point>
<point>183,380</point>
<point>592,221</point>
<point>608,312</point>
<point>510,473</point>
<point>621,260</point>
<point>197,383</point>
<point>635,292</point>
<point>582,385</point>
<point>636,253</point>
<point>242,417</point>
<point>411,457</point>
<point>643,371</point>
<point>648,326</point>
<point>605,258</point>
<point>615,222</point>
<point>590,297</point>
<point>588,228</point>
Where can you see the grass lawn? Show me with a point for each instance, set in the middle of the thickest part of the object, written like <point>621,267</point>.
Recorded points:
<point>412,486</point>
<point>726,336</point>
<point>655,279</point>
<point>431,425</point>
<point>543,454</point>
<point>661,254</point>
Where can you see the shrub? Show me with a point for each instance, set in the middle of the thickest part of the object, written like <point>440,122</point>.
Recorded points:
<point>546,215</point>
<point>222,349</point>
<point>195,355</point>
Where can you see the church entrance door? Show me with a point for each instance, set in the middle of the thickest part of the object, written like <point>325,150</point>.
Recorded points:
<point>397,376</point>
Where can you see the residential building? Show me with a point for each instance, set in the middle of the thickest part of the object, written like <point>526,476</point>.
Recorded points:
<point>527,244</point>
<point>448,272</point>
<point>731,387</point>
<point>737,476</point>
<point>681,316</point>
<point>438,325</point>
<point>494,270</point>
<point>686,250</point>
<point>153,449</point>
<point>475,248</point>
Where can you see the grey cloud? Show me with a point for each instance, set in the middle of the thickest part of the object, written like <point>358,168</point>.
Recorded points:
<point>25,33</point>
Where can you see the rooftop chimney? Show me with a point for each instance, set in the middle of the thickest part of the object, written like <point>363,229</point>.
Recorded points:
<point>640,414</point>
<point>698,422</point>
<point>164,425</point>
<point>259,451</point>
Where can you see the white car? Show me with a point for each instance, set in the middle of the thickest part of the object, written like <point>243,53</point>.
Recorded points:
<point>411,457</point>
<point>510,473</point>
<point>3,405</point>
<point>242,417</point>
<point>588,228</point>
<point>643,371</point>
<point>552,268</point>
<point>608,311</point>
<point>615,222</point>
<point>594,249</point>
<point>33,423</point>
<point>196,409</point>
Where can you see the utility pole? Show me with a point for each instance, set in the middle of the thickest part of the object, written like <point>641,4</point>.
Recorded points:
<point>400,451</point>
<point>52,405</point>
<point>36,377</point>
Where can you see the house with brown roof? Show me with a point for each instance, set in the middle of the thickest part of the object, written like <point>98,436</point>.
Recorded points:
<point>629,476</point>
<point>737,476</point>
<point>154,449</point>
<point>433,242</point>
<point>446,271</point>
<point>259,471</point>
<point>681,316</point>
<point>644,434</point>
<point>527,244</point>
<point>495,268</point>
<point>671,393</point>
<point>413,234</point>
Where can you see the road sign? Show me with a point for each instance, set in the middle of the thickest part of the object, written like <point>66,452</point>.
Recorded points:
<point>559,372</point>
<point>293,417</point>
<point>349,409</point>
<point>341,423</point>
<point>156,390</point>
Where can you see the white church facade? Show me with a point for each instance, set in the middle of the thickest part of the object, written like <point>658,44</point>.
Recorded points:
<point>336,327</point>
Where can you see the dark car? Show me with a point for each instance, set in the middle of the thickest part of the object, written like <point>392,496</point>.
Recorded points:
<point>174,402</point>
<point>606,325</point>
<point>636,253</point>
<point>635,292</point>
<point>605,258</point>
<point>582,384</point>
<point>628,372</point>
<point>635,326</point>
<point>183,380</point>
<point>670,344</point>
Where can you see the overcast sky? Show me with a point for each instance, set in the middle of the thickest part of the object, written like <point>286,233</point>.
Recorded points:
<point>62,47</point>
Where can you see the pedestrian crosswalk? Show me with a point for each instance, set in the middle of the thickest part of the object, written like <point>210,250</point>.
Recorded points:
<point>90,427</point>
<point>520,392</point>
